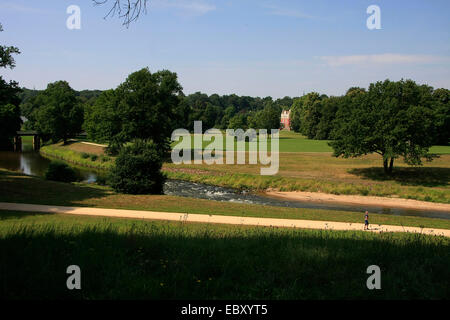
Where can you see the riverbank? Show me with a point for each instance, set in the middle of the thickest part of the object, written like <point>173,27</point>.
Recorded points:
<point>81,154</point>
<point>360,200</point>
<point>19,188</point>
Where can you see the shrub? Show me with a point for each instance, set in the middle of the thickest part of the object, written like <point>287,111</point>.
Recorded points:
<point>105,158</point>
<point>85,155</point>
<point>59,171</point>
<point>94,157</point>
<point>101,180</point>
<point>137,169</point>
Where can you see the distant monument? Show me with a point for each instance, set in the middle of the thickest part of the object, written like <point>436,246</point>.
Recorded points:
<point>286,120</point>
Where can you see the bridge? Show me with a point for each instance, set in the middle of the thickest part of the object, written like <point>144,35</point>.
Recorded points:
<point>28,133</point>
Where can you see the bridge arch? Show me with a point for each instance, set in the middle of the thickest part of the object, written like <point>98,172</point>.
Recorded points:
<point>27,133</point>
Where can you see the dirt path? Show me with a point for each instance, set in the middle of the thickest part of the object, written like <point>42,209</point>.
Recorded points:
<point>203,218</point>
<point>360,200</point>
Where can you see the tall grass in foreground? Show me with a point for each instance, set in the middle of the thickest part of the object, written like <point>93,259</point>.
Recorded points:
<point>159,260</point>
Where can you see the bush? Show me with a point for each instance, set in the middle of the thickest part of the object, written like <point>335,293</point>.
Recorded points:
<point>137,169</point>
<point>105,158</point>
<point>85,155</point>
<point>94,157</point>
<point>59,171</point>
<point>101,180</point>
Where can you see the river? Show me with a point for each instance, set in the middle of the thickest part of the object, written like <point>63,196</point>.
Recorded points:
<point>32,163</point>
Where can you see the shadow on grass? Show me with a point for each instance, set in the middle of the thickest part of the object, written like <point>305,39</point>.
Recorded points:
<point>414,176</point>
<point>174,261</point>
<point>19,188</point>
<point>5,215</point>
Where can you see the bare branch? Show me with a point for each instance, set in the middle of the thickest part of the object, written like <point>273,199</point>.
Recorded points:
<point>128,10</point>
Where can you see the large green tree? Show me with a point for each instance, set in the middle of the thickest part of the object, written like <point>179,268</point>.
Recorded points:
<point>441,106</point>
<point>102,121</point>
<point>58,115</point>
<point>142,107</point>
<point>392,119</point>
<point>10,120</point>
<point>268,118</point>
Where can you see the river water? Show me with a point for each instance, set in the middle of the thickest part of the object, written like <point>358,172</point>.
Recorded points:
<point>32,163</point>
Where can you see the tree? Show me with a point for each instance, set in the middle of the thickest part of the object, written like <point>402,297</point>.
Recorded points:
<point>238,121</point>
<point>328,111</point>
<point>441,107</point>
<point>392,119</point>
<point>296,111</point>
<point>59,115</point>
<point>268,118</point>
<point>145,106</point>
<point>10,121</point>
<point>310,114</point>
<point>137,169</point>
<point>102,121</point>
<point>6,54</point>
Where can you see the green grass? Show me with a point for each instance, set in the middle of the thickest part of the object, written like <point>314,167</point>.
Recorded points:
<point>440,149</point>
<point>78,158</point>
<point>15,187</point>
<point>123,259</point>
<point>294,142</point>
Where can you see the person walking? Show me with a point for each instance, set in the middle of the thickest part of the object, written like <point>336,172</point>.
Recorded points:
<point>366,221</point>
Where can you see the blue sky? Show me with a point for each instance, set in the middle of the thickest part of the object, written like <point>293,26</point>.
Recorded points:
<point>247,47</point>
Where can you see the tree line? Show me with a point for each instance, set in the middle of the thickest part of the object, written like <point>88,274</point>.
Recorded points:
<point>321,117</point>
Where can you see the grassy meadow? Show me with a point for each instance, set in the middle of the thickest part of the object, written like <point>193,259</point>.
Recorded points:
<point>126,259</point>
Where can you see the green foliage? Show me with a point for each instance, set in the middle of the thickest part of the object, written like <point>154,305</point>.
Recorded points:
<point>9,123</point>
<point>268,118</point>
<point>441,107</point>
<point>142,107</point>
<point>102,121</point>
<point>104,158</point>
<point>59,115</point>
<point>6,52</point>
<point>137,169</point>
<point>60,171</point>
<point>238,121</point>
<point>85,155</point>
<point>10,120</point>
<point>392,119</point>
<point>94,157</point>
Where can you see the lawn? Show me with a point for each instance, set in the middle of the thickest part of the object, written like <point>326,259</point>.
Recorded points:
<point>15,187</point>
<point>125,259</point>
<point>291,141</point>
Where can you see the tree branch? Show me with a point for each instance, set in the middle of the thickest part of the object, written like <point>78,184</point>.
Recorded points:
<point>128,10</point>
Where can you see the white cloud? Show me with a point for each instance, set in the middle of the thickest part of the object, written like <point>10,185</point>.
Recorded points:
<point>186,6</point>
<point>386,58</point>
<point>9,6</point>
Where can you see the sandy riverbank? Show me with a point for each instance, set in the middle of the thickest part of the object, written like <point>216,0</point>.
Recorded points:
<point>360,200</point>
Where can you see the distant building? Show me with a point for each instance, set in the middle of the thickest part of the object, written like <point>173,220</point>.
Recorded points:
<point>286,120</point>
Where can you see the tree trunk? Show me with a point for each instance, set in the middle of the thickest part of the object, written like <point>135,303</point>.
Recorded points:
<point>385,165</point>
<point>391,165</point>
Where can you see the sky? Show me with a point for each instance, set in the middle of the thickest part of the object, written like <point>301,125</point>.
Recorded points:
<point>247,47</point>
